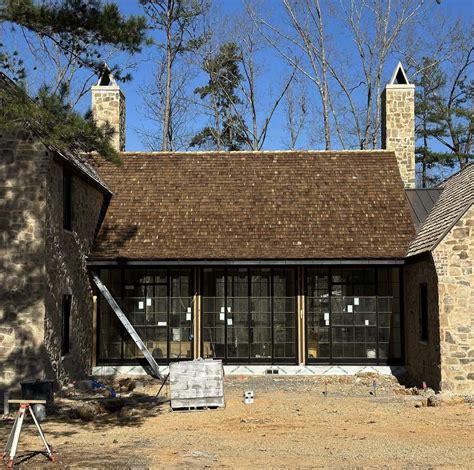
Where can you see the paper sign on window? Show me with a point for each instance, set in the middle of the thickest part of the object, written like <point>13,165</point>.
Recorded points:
<point>189,309</point>
<point>356,300</point>
<point>188,317</point>
<point>161,323</point>
<point>350,308</point>
<point>141,305</point>
<point>228,310</point>
<point>148,302</point>
<point>222,310</point>
<point>229,321</point>
<point>222,316</point>
<point>326,316</point>
<point>367,322</point>
<point>327,322</point>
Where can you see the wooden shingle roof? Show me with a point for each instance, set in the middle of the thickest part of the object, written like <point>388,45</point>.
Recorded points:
<point>456,198</point>
<point>255,205</point>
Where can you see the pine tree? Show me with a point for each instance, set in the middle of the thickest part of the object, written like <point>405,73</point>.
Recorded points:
<point>444,113</point>
<point>228,129</point>
<point>77,27</point>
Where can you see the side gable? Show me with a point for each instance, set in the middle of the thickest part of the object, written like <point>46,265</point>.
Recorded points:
<point>255,205</point>
<point>456,198</point>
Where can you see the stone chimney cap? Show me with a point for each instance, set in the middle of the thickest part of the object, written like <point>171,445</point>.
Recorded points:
<point>106,77</point>
<point>399,76</point>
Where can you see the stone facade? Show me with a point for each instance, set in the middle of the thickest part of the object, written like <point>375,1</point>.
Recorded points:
<point>454,260</point>
<point>398,128</point>
<point>108,105</point>
<point>66,272</point>
<point>422,358</point>
<point>39,262</point>
<point>24,163</point>
<point>446,360</point>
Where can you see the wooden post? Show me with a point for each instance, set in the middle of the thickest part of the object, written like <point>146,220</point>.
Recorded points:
<point>303,317</point>
<point>94,331</point>
<point>197,313</point>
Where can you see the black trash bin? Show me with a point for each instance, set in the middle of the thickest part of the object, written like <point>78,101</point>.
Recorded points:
<point>38,390</point>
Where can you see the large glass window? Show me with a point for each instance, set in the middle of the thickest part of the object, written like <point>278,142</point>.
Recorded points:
<point>158,303</point>
<point>353,315</point>
<point>249,314</point>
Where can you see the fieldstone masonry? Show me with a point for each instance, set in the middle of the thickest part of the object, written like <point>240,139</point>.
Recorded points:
<point>454,260</point>
<point>39,262</point>
<point>108,105</point>
<point>24,165</point>
<point>398,128</point>
<point>446,360</point>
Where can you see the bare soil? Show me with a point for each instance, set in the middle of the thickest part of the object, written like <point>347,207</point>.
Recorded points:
<point>294,422</point>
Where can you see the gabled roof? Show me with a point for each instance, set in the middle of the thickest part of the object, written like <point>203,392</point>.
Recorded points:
<point>69,157</point>
<point>454,201</point>
<point>421,202</point>
<point>255,205</point>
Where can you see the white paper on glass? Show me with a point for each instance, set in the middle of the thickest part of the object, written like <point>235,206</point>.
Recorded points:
<point>222,316</point>
<point>229,321</point>
<point>327,322</point>
<point>228,310</point>
<point>189,309</point>
<point>141,305</point>
<point>222,310</point>
<point>188,317</point>
<point>148,302</point>
<point>161,323</point>
<point>367,322</point>
<point>356,300</point>
<point>326,316</point>
<point>350,308</point>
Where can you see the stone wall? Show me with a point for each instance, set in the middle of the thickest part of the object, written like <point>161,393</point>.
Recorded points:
<point>108,105</point>
<point>454,260</point>
<point>66,272</point>
<point>24,163</point>
<point>39,262</point>
<point>398,128</point>
<point>422,358</point>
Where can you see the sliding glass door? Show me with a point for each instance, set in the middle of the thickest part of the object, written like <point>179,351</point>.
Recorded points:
<point>353,315</point>
<point>248,315</point>
<point>158,303</point>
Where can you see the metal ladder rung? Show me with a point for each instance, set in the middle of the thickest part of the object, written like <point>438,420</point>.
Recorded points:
<point>128,326</point>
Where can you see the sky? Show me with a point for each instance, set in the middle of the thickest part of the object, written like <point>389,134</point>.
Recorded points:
<point>448,8</point>
<point>272,76</point>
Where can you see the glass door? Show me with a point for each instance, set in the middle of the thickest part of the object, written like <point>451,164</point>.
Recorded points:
<point>249,315</point>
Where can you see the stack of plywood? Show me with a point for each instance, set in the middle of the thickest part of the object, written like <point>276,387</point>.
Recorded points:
<point>197,384</point>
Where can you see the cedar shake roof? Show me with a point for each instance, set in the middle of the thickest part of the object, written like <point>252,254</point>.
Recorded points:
<point>454,201</point>
<point>255,205</point>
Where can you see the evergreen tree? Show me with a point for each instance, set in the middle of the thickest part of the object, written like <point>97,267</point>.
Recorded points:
<point>444,114</point>
<point>228,129</point>
<point>78,27</point>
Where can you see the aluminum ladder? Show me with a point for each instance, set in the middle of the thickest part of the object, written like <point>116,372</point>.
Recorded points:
<point>128,326</point>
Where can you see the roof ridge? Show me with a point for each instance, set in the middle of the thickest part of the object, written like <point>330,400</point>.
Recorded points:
<point>258,152</point>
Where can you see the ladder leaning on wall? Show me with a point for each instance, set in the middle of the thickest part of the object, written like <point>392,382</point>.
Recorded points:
<point>128,326</point>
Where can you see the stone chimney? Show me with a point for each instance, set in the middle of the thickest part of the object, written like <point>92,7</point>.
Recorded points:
<point>398,123</point>
<point>108,105</point>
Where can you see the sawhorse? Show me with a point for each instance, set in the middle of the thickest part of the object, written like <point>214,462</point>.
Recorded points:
<point>14,437</point>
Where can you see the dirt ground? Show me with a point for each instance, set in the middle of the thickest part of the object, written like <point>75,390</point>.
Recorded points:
<point>294,422</point>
